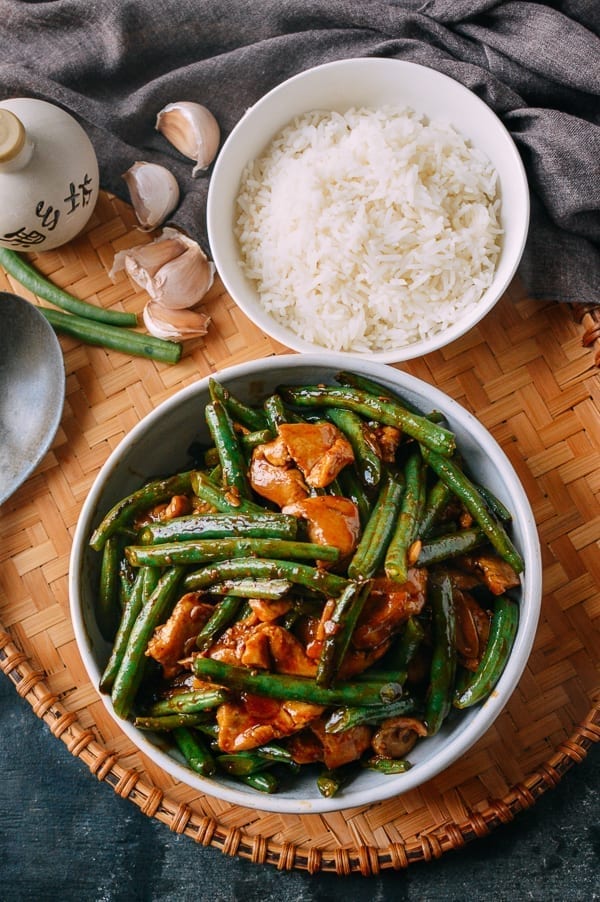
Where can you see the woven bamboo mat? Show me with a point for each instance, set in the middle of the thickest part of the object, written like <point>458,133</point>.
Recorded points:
<point>527,371</point>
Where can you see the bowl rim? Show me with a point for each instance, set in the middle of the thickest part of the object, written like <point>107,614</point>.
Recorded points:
<point>482,717</point>
<point>220,177</point>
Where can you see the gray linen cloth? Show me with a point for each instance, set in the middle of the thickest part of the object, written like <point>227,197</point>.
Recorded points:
<point>115,63</point>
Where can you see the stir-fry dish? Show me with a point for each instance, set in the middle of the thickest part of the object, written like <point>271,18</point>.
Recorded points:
<point>318,592</point>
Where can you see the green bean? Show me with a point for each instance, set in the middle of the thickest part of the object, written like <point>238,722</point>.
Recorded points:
<point>222,500</point>
<point>442,548</point>
<point>352,488</point>
<point>374,388</point>
<point>131,609</point>
<point>154,612</point>
<point>168,722</point>
<point>390,413</point>
<point>405,648</point>
<point>265,589</point>
<point>189,702</point>
<point>443,660</point>
<point>224,614</point>
<point>123,512</point>
<point>341,626</point>
<point>204,551</point>
<point>396,561</point>
<point>368,461</point>
<point>276,754</point>
<point>251,567</point>
<point>464,489</point>
<point>437,501</point>
<point>108,608</point>
<point>331,781</point>
<point>283,686</point>
<point>276,413</point>
<point>263,782</point>
<point>389,765</point>
<point>194,751</point>
<point>231,456</point>
<point>219,526</point>
<point>494,504</point>
<point>248,441</point>
<point>250,417</point>
<point>373,544</point>
<point>503,629</point>
<point>240,764</point>
<point>346,717</point>
<point>15,264</point>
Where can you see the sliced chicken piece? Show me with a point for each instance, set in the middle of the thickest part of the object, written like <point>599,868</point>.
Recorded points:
<point>178,506</point>
<point>281,484</point>
<point>495,573</point>
<point>170,642</point>
<point>305,748</point>
<point>255,720</point>
<point>320,450</point>
<point>388,606</point>
<point>332,520</point>
<point>387,439</point>
<point>341,748</point>
<point>274,648</point>
<point>231,644</point>
<point>266,610</point>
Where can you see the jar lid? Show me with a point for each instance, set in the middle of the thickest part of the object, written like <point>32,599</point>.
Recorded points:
<point>12,136</point>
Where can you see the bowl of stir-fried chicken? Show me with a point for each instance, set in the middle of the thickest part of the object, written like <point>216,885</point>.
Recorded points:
<point>306,586</point>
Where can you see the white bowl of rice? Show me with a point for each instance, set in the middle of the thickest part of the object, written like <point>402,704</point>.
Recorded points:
<point>368,206</point>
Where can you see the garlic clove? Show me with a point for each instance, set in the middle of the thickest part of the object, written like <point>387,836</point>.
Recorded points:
<point>154,193</point>
<point>176,325</point>
<point>173,269</point>
<point>192,129</point>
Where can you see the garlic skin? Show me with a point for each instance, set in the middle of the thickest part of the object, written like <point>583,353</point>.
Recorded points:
<point>192,129</point>
<point>176,325</point>
<point>154,193</point>
<point>173,269</point>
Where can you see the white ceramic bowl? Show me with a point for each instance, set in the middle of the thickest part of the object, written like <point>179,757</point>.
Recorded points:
<point>158,444</point>
<point>369,83</point>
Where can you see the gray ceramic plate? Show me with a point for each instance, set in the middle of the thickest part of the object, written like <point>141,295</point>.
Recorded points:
<point>32,390</point>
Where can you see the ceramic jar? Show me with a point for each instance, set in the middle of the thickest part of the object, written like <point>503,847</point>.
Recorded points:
<point>49,176</point>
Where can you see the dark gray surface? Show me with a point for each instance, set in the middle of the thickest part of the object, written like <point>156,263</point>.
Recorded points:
<point>64,835</point>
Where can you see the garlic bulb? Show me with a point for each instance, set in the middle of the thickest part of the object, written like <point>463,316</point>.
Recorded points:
<point>154,193</point>
<point>173,269</point>
<point>192,129</point>
<point>176,325</point>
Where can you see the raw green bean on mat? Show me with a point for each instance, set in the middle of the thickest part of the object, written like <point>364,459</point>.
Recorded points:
<point>154,612</point>
<point>390,413</point>
<point>203,551</point>
<point>464,489</point>
<point>282,686</point>
<point>443,660</point>
<point>117,338</point>
<point>503,629</point>
<point>251,417</point>
<point>194,750</point>
<point>123,512</point>
<point>29,277</point>
<point>251,567</point>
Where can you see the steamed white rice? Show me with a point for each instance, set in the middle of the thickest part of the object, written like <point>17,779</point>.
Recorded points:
<point>369,230</point>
